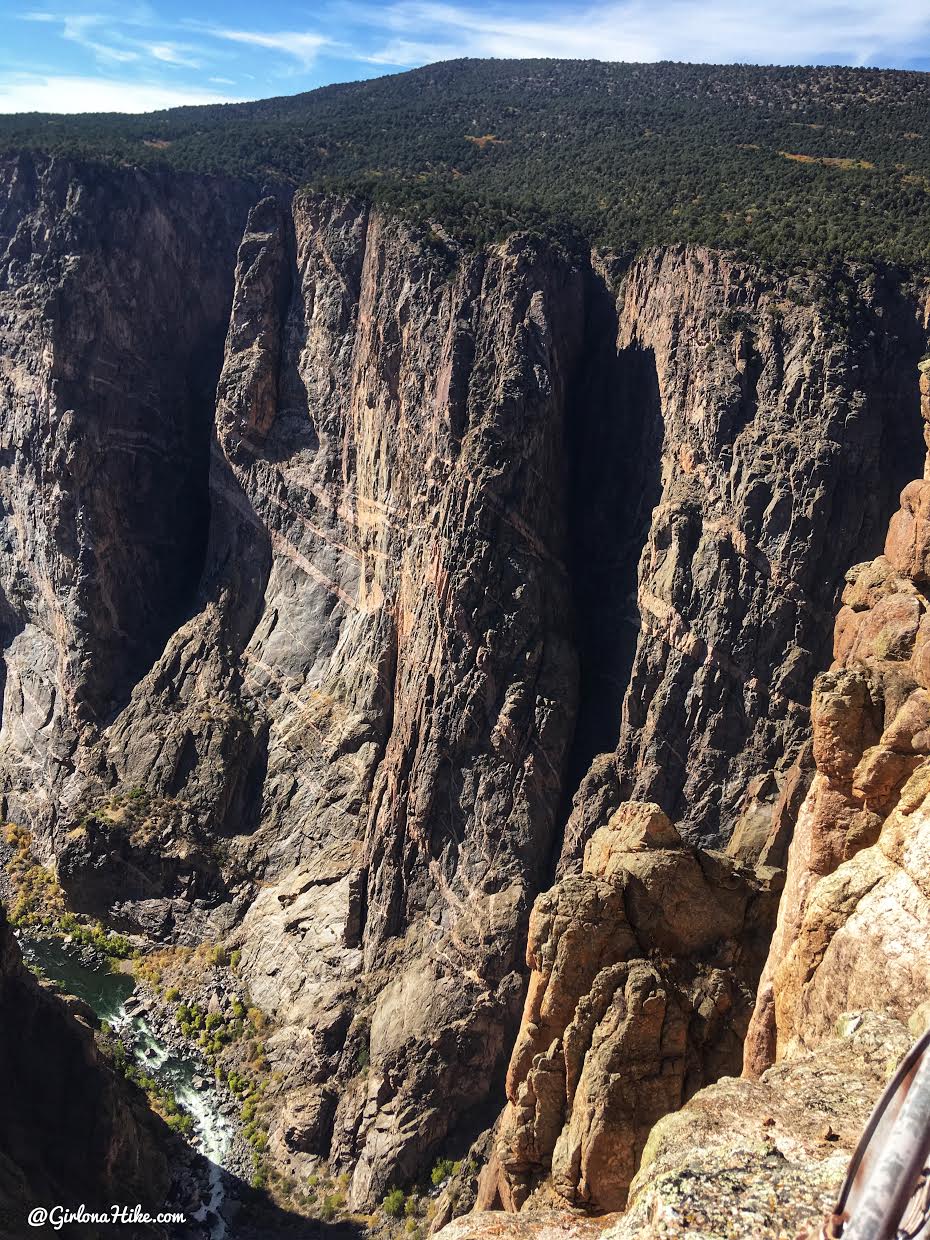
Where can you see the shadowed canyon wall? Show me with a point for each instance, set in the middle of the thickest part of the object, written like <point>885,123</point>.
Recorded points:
<point>440,540</point>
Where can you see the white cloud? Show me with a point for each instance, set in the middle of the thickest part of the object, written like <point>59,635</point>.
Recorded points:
<point>793,31</point>
<point>82,29</point>
<point>114,39</point>
<point>304,46</point>
<point>442,31</point>
<point>87,29</point>
<point>406,52</point>
<point>173,54</point>
<point>40,93</point>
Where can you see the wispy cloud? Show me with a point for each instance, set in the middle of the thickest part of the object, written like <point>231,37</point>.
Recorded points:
<point>121,55</point>
<point>423,32</point>
<point>174,54</point>
<point>86,30</point>
<point>160,56</point>
<point>64,93</point>
<point>112,39</point>
<point>410,32</point>
<point>303,45</point>
<point>793,31</point>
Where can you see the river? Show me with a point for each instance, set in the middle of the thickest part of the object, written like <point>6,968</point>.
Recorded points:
<point>107,992</point>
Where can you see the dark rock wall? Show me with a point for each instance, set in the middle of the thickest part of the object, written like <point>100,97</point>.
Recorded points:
<point>469,519</point>
<point>115,289</point>
<point>789,430</point>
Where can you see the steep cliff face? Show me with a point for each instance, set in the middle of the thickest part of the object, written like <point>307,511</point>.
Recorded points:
<point>372,703</point>
<point>853,923</point>
<point>788,431</point>
<point>415,636</point>
<point>69,1132</point>
<point>460,530</point>
<point>114,290</point>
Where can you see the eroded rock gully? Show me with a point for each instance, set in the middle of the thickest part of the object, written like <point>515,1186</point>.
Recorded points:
<point>361,625</point>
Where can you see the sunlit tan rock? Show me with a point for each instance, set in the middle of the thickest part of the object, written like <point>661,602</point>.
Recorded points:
<point>642,974</point>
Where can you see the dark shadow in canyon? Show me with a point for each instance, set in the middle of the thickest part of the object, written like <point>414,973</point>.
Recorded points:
<point>260,1218</point>
<point>898,341</point>
<point>148,511</point>
<point>201,383</point>
<point>614,434</point>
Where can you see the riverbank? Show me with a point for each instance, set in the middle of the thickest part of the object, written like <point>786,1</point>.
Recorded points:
<point>209,1157</point>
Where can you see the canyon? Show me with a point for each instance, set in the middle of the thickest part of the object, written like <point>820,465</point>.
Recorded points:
<point>456,611</point>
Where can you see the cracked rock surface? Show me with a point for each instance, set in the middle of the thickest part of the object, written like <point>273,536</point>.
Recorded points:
<point>853,923</point>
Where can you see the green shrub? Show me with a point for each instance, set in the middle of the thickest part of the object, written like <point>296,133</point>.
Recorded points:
<point>393,1203</point>
<point>443,1169</point>
<point>181,1122</point>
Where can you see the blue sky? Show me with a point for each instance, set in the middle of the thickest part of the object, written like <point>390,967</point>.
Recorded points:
<point>90,55</point>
